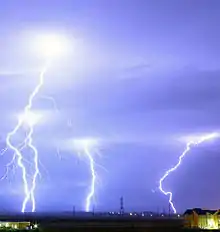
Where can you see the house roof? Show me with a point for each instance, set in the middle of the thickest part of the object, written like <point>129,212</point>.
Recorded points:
<point>188,211</point>
<point>201,211</point>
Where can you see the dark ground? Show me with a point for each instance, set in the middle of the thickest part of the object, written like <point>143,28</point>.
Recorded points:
<point>101,224</point>
<point>110,224</point>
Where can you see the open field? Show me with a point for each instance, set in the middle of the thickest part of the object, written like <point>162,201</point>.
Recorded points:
<point>100,223</point>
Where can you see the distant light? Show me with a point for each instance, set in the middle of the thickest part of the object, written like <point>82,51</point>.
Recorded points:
<point>29,118</point>
<point>35,226</point>
<point>82,143</point>
<point>211,224</point>
<point>197,137</point>
<point>50,45</point>
<point>15,226</point>
<point>6,225</point>
<point>162,215</point>
<point>130,214</point>
<point>178,215</point>
<point>142,214</point>
<point>151,215</point>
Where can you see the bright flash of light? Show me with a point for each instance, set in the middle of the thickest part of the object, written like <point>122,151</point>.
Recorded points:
<point>87,145</point>
<point>168,172</point>
<point>92,188</point>
<point>28,118</point>
<point>50,45</point>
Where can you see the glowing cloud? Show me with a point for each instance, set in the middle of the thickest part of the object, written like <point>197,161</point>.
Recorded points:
<point>50,45</point>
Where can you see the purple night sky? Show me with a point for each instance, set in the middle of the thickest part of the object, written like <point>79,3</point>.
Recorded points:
<point>143,77</point>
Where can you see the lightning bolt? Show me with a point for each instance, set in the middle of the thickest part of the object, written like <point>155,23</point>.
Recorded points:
<point>186,151</point>
<point>93,179</point>
<point>87,148</point>
<point>10,163</point>
<point>29,190</point>
<point>52,100</point>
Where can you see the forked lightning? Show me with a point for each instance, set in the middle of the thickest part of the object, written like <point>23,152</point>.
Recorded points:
<point>186,151</point>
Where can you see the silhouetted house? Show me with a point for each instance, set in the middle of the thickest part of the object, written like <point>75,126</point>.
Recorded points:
<point>202,218</point>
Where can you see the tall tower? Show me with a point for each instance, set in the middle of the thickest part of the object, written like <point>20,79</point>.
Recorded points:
<point>121,205</point>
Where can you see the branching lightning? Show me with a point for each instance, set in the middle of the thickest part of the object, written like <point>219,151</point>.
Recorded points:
<point>11,164</point>
<point>26,119</point>
<point>48,46</point>
<point>186,151</point>
<point>51,99</point>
